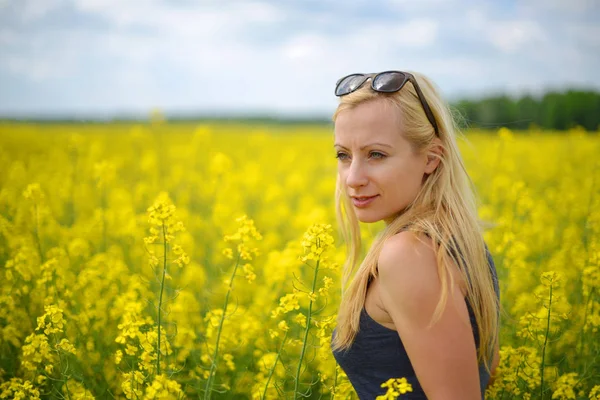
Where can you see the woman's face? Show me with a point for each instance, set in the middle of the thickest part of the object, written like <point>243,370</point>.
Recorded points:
<point>380,170</point>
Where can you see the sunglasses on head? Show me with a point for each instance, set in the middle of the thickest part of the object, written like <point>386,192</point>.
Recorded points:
<point>385,82</point>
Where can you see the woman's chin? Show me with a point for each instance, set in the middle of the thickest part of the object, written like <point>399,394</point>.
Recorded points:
<point>367,218</point>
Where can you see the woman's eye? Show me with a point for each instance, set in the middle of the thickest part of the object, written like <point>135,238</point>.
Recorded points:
<point>341,156</point>
<point>376,154</point>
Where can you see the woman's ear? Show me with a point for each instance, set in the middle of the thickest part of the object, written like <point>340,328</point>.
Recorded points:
<point>434,155</point>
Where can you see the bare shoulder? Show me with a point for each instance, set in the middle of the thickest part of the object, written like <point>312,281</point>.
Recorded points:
<point>408,273</point>
<point>408,254</point>
<point>406,245</point>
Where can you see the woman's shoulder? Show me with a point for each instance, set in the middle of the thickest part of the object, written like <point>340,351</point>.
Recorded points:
<point>407,243</point>
<point>408,259</point>
<point>410,286</point>
<point>405,255</point>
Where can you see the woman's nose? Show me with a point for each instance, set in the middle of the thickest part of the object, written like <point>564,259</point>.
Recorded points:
<point>357,176</point>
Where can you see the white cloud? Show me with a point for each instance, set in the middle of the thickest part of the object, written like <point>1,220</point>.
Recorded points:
<point>507,35</point>
<point>388,36</point>
<point>560,6</point>
<point>235,55</point>
<point>510,36</point>
<point>418,33</point>
<point>8,37</point>
<point>198,20</point>
<point>37,71</point>
<point>33,10</point>
<point>421,5</point>
<point>305,45</point>
<point>587,34</point>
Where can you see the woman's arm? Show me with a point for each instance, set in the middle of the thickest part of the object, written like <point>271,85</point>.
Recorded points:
<point>443,356</point>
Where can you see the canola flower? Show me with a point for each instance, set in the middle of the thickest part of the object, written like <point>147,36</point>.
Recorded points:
<point>243,240</point>
<point>595,393</point>
<point>164,226</point>
<point>18,389</point>
<point>395,388</point>
<point>317,241</point>
<point>82,263</point>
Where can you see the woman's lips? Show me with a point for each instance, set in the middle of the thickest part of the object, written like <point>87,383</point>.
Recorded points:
<point>363,201</point>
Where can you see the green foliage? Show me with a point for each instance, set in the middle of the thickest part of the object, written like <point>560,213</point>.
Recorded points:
<point>555,111</point>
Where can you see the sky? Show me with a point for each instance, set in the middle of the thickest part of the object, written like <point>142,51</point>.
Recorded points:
<point>107,57</point>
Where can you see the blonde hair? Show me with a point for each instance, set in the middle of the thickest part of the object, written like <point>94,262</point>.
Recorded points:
<point>445,209</point>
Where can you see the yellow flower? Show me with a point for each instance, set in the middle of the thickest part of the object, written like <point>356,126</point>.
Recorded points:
<point>551,278</point>
<point>118,356</point>
<point>595,393</point>
<point>34,192</point>
<point>229,361</point>
<point>163,388</point>
<point>18,388</point>
<point>565,387</point>
<point>300,319</point>
<point>245,234</point>
<point>52,321</point>
<point>66,346</point>
<point>283,326</point>
<point>287,303</point>
<point>396,387</point>
<point>505,134</point>
<point>228,253</point>
<point>249,272</point>
<point>161,215</point>
<point>317,240</point>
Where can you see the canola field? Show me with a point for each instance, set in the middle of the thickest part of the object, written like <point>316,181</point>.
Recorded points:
<point>170,261</point>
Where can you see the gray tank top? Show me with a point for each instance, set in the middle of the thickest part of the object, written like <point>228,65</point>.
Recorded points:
<point>377,354</point>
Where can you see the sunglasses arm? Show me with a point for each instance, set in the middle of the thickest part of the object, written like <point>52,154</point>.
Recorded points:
<point>426,108</point>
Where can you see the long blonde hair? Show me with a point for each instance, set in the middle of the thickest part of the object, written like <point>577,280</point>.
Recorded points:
<point>445,209</point>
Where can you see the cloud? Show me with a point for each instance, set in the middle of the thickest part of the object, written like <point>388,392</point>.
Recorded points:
<point>421,32</point>
<point>510,36</point>
<point>30,11</point>
<point>561,6</point>
<point>195,20</point>
<point>8,37</point>
<point>507,35</point>
<point>418,32</point>
<point>283,56</point>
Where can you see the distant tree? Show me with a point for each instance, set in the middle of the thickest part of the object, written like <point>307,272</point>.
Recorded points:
<point>553,110</point>
<point>528,111</point>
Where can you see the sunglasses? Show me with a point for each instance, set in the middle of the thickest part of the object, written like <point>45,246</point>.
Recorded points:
<point>385,82</point>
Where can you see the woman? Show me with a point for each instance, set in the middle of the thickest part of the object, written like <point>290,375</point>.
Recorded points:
<point>423,304</point>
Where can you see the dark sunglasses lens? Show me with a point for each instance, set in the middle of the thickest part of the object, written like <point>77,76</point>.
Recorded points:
<point>349,84</point>
<point>389,81</point>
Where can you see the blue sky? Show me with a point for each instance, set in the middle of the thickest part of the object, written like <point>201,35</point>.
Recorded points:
<point>100,57</point>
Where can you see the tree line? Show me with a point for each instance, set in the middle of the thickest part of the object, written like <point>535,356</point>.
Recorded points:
<point>553,110</point>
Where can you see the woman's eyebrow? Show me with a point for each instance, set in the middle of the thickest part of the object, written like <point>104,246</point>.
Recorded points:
<point>365,146</point>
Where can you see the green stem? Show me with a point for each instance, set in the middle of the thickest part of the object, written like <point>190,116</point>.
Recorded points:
<point>213,366</point>
<point>308,317</point>
<point>581,335</point>
<point>104,244</point>
<point>264,395</point>
<point>60,364</point>
<point>37,236</point>
<point>545,343</point>
<point>162,286</point>
<point>335,376</point>
<point>589,210</point>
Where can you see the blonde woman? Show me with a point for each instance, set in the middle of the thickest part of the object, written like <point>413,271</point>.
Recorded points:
<point>423,304</point>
